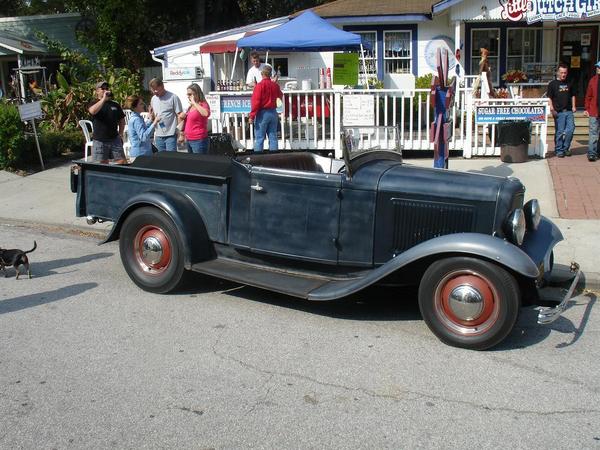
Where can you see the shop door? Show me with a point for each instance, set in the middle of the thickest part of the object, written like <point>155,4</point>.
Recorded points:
<point>578,47</point>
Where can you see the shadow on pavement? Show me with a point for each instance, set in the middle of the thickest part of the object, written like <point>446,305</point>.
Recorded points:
<point>528,332</point>
<point>41,298</point>
<point>502,170</point>
<point>45,268</point>
<point>375,303</point>
<point>389,304</point>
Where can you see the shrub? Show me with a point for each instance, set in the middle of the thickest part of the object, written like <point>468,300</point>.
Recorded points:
<point>11,136</point>
<point>52,144</point>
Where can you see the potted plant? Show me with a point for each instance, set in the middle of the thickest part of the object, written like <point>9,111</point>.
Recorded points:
<point>512,77</point>
<point>515,76</point>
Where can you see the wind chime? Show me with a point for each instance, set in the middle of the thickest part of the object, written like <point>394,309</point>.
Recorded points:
<point>442,100</point>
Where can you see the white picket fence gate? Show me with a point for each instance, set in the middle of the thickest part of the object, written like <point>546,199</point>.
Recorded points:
<point>313,120</point>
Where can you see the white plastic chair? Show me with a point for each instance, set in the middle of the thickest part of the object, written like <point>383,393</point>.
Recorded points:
<point>126,143</point>
<point>128,114</point>
<point>88,130</point>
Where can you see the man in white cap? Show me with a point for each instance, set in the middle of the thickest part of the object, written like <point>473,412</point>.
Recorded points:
<point>592,111</point>
<point>108,120</point>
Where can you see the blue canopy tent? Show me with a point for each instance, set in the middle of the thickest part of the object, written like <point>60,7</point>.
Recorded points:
<point>306,33</point>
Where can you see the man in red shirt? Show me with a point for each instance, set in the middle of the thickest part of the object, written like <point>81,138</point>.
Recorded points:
<point>264,111</point>
<point>592,108</point>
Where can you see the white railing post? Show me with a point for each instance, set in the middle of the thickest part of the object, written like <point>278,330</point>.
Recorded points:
<point>468,147</point>
<point>338,125</point>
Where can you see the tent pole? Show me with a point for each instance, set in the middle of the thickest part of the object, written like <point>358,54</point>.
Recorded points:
<point>234,62</point>
<point>362,57</point>
<point>267,58</point>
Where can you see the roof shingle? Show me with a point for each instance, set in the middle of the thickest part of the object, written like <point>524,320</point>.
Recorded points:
<point>342,8</point>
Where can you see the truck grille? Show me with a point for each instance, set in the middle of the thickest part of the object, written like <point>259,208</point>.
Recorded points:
<point>416,221</point>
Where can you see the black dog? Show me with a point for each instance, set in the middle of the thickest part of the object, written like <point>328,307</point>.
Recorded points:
<point>15,258</point>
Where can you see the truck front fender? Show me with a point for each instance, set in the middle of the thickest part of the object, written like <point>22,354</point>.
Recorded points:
<point>474,244</point>
<point>186,217</point>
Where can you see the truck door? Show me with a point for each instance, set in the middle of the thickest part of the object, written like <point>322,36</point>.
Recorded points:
<point>296,216</point>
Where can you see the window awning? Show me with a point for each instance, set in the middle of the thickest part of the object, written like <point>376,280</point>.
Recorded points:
<point>226,44</point>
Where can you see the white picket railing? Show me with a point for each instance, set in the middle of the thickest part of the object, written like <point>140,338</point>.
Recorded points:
<point>313,120</point>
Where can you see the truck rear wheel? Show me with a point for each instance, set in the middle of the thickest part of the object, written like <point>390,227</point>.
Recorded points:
<point>151,250</point>
<point>468,302</point>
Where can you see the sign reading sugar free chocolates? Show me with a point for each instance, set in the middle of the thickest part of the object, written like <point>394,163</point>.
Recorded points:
<point>494,114</point>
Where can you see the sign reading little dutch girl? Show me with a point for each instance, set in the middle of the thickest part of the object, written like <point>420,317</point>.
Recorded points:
<point>539,10</point>
<point>494,114</point>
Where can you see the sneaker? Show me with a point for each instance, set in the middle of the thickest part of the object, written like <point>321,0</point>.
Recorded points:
<point>560,155</point>
<point>592,158</point>
<point>568,153</point>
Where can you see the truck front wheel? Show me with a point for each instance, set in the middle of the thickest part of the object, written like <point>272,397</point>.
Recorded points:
<point>468,302</point>
<point>151,250</point>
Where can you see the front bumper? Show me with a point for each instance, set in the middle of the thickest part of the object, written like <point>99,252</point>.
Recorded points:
<point>548,315</point>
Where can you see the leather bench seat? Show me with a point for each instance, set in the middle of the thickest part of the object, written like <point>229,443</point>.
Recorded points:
<point>292,161</point>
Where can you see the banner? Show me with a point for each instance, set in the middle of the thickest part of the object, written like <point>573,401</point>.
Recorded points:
<point>239,104</point>
<point>494,114</point>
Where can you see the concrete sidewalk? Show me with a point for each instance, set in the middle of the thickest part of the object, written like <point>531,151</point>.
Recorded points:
<point>45,199</point>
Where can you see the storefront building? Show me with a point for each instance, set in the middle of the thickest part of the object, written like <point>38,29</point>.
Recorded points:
<point>21,49</point>
<point>532,36</point>
<point>529,35</point>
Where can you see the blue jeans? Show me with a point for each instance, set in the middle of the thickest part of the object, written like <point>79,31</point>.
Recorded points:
<point>265,124</point>
<point>593,136</point>
<point>564,127</point>
<point>166,143</point>
<point>198,146</point>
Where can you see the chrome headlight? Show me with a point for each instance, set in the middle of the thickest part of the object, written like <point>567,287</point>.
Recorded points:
<point>515,226</point>
<point>533,214</point>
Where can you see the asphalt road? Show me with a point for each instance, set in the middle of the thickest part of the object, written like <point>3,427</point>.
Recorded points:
<point>87,360</point>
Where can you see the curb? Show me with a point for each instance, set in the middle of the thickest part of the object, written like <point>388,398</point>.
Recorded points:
<point>55,228</point>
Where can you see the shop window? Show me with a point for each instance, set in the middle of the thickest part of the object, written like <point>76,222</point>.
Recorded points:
<point>485,38</point>
<point>279,63</point>
<point>397,53</point>
<point>523,47</point>
<point>370,56</point>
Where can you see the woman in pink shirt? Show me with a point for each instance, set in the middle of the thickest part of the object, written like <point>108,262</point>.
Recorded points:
<point>195,128</point>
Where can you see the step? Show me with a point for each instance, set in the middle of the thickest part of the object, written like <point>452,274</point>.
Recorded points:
<point>286,282</point>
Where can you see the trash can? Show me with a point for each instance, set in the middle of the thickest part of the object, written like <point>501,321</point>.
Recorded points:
<point>514,137</point>
<point>220,144</point>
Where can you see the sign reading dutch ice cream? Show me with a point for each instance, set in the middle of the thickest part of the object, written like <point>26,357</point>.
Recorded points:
<point>538,10</point>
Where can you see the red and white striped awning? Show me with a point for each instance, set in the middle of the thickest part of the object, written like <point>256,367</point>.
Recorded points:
<point>226,44</point>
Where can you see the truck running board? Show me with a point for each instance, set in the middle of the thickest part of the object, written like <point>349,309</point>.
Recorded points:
<point>290,283</point>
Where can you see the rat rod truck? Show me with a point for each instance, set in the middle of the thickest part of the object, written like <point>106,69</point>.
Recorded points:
<point>321,229</point>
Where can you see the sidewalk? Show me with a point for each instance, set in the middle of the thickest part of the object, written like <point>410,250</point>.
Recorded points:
<point>45,198</point>
<point>576,183</point>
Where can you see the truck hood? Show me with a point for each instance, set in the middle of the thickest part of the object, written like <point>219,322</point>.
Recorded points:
<point>391,176</point>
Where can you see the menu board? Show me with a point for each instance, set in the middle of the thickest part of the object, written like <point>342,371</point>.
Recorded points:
<point>345,69</point>
<point>358,110</point>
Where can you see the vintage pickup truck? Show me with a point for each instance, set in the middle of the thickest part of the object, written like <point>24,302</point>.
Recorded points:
<point>321,229</point>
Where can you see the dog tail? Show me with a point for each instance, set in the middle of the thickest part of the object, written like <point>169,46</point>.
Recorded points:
<point>34,247</point>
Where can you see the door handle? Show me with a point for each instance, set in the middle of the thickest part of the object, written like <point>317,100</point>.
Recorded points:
<point>257,187</point>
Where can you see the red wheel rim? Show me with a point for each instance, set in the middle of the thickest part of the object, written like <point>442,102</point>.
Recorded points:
<point>152,250</point>
<point>487,308</point>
